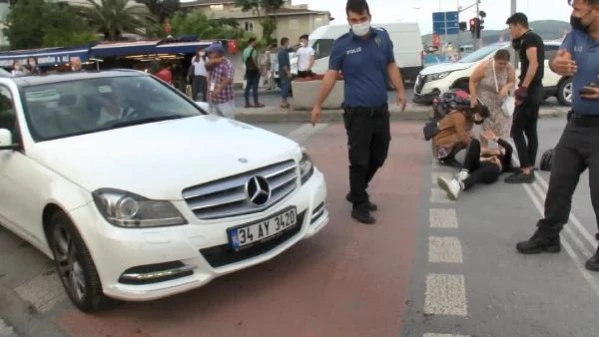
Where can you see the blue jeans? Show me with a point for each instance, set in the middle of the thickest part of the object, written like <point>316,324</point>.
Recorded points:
<point>253,80</point>
<point>285,87</point>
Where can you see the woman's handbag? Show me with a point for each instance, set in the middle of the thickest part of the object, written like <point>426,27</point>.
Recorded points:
<point>509,103</point>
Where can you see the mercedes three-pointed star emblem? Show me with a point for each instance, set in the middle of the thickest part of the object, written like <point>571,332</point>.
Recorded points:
<point>257,190</point>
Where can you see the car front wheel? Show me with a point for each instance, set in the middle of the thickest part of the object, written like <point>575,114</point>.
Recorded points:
<point>75,266</point>
<point>564,92</point>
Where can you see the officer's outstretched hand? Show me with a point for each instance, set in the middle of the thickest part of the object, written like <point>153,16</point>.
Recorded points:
<point>563,63</point>
<point>401,100</point>
<point>316,114</point>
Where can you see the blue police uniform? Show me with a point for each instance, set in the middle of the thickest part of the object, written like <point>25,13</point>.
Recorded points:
<point>577,150</point>
<point>363,62</point>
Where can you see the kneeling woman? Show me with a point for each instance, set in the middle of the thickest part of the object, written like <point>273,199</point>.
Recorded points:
<point>479,166</point>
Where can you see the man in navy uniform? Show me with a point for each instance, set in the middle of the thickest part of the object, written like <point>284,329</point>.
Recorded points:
<point>578,148</point>
<point>365,57</point>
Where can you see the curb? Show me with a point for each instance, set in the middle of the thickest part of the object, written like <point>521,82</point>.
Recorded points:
<point>270,115</point>
<point>26,321</point>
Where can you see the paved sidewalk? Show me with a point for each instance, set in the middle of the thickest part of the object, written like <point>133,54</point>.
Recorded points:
<point>275,114</point>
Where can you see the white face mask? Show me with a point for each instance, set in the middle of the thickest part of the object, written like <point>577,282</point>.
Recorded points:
<point>361,29</point>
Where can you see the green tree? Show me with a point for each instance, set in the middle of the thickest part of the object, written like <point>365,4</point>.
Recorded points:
<point>196,23</point>
<point>161,9</point>
<point>115,17</point>
<point>36,23</point>
<point>267,9</point>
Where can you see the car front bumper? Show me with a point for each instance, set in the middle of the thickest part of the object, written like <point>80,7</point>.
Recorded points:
<point>151,263</point>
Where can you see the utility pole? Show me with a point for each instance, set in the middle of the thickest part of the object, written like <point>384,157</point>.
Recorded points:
<point>478,24</point>
<point>513,9</point>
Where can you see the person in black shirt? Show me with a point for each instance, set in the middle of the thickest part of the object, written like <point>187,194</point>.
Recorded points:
<point>529,96</point>
<point>480,166</point>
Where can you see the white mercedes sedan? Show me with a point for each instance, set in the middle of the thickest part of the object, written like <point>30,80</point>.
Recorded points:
<point>137,193</point>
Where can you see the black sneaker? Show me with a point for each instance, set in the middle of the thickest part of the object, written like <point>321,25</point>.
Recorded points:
<point>371,207</point>
<point>540,244</point>
<point>593,263</point>
<point>521,178</point>
<point>362,214</point>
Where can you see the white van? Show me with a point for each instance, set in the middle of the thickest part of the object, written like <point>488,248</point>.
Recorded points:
<point>407,43</point>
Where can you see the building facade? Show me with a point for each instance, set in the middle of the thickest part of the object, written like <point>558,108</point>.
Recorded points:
<point>293,21</point>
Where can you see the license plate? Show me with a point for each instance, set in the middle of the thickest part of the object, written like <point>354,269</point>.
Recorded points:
<point>248,235</point>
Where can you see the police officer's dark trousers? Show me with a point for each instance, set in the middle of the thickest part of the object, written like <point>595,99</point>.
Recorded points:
<point>577,150</point>
<point>369,135</point>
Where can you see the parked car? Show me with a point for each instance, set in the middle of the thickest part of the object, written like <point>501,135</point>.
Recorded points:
<point>438,79</point>
<point>137,193</point>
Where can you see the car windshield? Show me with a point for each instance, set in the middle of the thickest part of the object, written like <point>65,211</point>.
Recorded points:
<point>480,54</point>
<point>65,109</point>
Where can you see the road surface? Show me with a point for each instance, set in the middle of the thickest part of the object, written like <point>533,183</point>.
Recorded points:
<point>429,267</point>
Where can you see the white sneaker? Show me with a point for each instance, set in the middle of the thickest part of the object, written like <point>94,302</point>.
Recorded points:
<point>452,187</point>
<point>463,175</point>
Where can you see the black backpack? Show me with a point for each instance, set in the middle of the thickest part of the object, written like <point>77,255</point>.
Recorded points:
<point>546,160</point>
<point>250,64</point>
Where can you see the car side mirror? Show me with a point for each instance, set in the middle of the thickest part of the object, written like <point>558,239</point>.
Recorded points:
<point>6,140</point>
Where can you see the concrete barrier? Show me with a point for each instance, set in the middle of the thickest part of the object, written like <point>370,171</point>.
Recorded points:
<point>305,92</point>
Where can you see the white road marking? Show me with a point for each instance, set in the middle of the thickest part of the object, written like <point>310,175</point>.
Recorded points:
<point>442,335</point>
<point>445,295</point>
<point>5,330</point>
<point>446,249</point>
<point>443,218</point>
<point>43,292</point>
<point>438,195</point>
<point>304,132</point>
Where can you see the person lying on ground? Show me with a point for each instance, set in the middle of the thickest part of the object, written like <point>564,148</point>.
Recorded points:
<point>455,134</point>
<point>481,165</point>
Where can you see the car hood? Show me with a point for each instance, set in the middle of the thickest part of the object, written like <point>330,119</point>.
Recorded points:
<point>159,160</point>
<point>445,67</point>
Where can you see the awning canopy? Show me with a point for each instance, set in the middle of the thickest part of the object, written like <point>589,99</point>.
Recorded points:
<point>45,57</point>
<point>181,47</point>
<point>123,48</point>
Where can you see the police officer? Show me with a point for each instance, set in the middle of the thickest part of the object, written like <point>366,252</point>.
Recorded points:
<point>365,57</point>
<point>578,148</point>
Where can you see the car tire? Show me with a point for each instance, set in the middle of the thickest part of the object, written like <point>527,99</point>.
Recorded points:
<point>75,266</point>
<point>564,92</point>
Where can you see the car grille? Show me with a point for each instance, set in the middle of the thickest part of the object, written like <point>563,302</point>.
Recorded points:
<point>227,197</point>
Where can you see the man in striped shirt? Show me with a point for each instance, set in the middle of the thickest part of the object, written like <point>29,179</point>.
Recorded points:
<point>220,82</point>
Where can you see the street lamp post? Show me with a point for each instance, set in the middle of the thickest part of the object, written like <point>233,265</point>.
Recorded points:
<point>513,9</point>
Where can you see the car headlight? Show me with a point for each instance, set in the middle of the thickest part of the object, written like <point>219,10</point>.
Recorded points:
<point>306,167</point>
<point>126,209</point>
<point>438,76</point>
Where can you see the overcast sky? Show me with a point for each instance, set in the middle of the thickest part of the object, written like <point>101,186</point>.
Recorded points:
<point>406,10</point>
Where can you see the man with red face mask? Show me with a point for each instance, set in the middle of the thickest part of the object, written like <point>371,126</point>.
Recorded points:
<point>578,147</point>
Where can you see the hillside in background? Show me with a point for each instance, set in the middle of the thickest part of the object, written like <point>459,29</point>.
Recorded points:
<point>547,29</point>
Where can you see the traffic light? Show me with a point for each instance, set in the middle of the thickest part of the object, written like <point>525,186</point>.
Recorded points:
<point>474,26</point>
<point>479,28</point>
<point>463,26</point>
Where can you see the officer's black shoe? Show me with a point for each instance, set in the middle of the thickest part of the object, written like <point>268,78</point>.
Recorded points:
<point>371,207</point>
<point>593,263</point>
<point>539,243</point>
<point>362,214</point>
